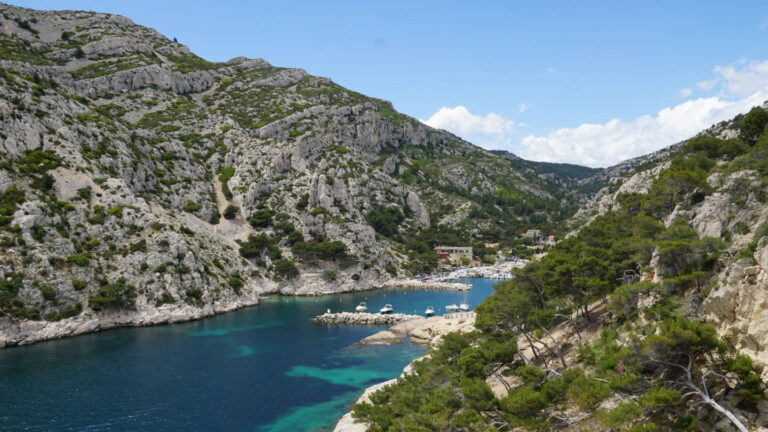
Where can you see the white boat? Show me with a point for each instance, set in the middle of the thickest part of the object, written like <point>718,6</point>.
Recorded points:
<point>452,308</point>
<point>362,307</point>
<point>430,311</point>
<point>386,309</point>
<point>464,306</point>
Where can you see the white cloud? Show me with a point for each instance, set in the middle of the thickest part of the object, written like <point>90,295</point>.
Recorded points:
<point>522,108</point>
<point>740,88</point>
<point>491,130</point>
<point>744,81</point>
<point>614,141</point>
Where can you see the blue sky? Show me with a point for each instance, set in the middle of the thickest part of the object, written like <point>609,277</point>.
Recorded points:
<point>582,82</point>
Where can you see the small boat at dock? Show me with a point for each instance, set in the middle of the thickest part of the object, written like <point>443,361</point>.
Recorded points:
<point>362,307</point>
<point>452,308</point>
<point>386,309</point>
<point>430,311</point>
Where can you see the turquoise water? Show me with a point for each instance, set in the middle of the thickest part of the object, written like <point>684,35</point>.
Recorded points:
<point>264,369</point>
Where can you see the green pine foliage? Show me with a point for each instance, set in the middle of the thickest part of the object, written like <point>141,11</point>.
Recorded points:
<point>647,359</point>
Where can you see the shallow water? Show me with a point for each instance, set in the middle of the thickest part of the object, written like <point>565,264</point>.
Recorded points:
<point>264,369</point>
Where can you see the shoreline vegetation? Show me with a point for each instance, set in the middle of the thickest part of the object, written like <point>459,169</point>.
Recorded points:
<point>620,326</point>
<point>425,331</point>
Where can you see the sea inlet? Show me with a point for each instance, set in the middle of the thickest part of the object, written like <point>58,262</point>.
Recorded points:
<point>268,368</point>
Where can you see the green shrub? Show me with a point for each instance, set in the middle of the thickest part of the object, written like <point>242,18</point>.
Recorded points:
<point>80,260</point>
<point>587,392</point>
<point>139,246</point>
<point>525,402</point>
<point>286,269</point>
<point>79,285</point>
<point>194,295</point>
<point>261,218</point>
<point>215,217</point>
<point>326,250</point>
<point>385,220</point>
<point>224,176</point>
<point>165,298</point>
<point>29,313</point>
<point>231,211</point>
<point>67,312</point>
<point>391,269</point>
<point>530,374</point>
<point>256,245</point>
<point>236,283</point>
<point>302,203</point>
<point>622,414</point>
<point>659,396</point>
<point>115,211</point>
<point>48,292</point>
<point>329,275</point>
<point>191,207</point>
<point>754,124</point>
<point>9,201</point>
<point>91,244</point>
<point>117,295</point>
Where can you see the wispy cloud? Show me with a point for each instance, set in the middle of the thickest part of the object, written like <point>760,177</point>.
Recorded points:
<point>708,84</point>
<point>685,92</point>
<point>522,108</point>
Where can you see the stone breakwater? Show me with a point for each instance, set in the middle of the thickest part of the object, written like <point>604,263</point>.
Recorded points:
<point>415,284</point>
<point>364,318</point>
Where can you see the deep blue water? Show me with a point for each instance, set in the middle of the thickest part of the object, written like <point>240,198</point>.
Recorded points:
<point>267,368</point>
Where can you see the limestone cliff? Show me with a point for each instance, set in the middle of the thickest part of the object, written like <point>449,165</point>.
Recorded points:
<point>141,184</point>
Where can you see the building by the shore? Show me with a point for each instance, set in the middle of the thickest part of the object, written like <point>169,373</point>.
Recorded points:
<point>456,255</point>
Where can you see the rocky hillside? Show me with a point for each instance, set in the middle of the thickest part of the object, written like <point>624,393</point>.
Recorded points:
<point>651,316</point>
<point>140,183</point>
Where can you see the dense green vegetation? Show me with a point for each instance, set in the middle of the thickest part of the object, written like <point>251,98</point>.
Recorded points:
<point>655,360</point>
<point>116,295</point>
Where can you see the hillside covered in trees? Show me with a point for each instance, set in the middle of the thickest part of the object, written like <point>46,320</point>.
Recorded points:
<point>623,326</point>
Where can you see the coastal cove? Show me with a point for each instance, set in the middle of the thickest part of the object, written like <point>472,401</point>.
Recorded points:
<point>264,368</point>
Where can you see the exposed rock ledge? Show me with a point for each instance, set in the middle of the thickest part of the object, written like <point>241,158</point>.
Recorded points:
<point>14,332</point>
<point>364,318</point>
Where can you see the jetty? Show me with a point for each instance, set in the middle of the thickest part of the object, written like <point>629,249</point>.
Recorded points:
<point>364,318</point>
<point>426,285</point>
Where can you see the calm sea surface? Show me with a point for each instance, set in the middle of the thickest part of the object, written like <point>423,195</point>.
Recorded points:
<point>263,369</point>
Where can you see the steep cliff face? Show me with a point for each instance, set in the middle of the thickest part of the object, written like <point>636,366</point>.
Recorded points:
<point>140,183</point>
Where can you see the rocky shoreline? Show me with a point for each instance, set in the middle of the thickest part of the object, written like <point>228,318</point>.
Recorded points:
<point>25,332</point>
<point>428,331</point>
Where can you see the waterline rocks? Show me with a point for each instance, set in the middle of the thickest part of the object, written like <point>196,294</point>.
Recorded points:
<point>430,331</point>
<point>381,338</point>
<point>364,318</point>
